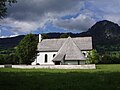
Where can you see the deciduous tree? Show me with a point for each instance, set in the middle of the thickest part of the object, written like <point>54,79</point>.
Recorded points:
<point>93,57</point>
<point>26,50</point>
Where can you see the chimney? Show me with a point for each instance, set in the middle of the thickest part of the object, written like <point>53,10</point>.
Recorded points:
<point>40,37</point>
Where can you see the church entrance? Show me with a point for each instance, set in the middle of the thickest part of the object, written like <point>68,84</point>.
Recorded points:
<point>57,62</point>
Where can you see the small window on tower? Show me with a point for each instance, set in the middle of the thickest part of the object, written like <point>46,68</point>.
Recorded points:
<point>84,54</point>
<point>54,55</point>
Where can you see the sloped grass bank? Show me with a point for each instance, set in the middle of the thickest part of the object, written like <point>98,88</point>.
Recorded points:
<point>105,77</point>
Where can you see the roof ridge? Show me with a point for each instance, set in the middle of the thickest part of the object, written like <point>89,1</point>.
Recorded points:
<point>64,43</point>
<point>66,38</point>
<point>75,43</point>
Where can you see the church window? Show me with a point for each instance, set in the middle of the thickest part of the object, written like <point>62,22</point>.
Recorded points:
<point>46,57</point>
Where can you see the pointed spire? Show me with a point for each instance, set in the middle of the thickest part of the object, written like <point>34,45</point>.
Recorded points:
<point>70,51</point>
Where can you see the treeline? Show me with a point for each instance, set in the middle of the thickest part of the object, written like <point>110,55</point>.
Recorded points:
<point>9,59</point>
<point>109,57</point>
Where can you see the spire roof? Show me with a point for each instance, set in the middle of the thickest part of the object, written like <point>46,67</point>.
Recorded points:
<point>69,51</point>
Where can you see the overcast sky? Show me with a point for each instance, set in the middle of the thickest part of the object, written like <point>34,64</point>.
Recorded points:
<point>42,16</point>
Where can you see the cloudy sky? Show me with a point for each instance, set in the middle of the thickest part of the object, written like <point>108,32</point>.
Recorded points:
<point>43,16</point>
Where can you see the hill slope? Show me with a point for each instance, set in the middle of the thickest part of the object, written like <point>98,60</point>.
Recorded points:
<point>7,43</point>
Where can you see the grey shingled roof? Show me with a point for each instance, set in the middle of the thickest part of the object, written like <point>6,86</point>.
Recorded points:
<point>84,43</point>
<point>69,51</point>
<point>59,57</point>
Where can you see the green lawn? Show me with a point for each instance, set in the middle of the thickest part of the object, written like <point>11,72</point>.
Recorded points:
<point>105,77</point>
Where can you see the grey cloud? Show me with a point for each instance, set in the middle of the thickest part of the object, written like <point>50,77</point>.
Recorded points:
<point>38,9</point>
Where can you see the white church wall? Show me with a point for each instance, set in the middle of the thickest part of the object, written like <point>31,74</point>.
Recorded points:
<point>74,62</point>
<point>82,62</point>
<point>71,62</point>
<point>41,57</point>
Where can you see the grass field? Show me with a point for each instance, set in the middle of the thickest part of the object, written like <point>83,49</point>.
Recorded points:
<point>105,77</point>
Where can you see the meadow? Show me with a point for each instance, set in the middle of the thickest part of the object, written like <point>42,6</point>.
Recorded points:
<point>105,77</point>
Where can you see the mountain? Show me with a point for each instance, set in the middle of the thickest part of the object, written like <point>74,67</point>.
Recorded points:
<point>105,34</point>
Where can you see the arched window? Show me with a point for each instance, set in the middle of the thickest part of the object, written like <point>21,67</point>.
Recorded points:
<point>46,57</point>
<point>54,55</point>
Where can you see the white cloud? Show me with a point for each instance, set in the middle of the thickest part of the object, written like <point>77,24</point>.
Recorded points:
<point>8,36</point>
<point>81,23</point>
<point>19,26</point>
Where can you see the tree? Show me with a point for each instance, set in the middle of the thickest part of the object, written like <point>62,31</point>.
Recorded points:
<point>3,7</point>
<point>2,59</point>
<point>65,35</point>
<point>26,49</point>
<point>93,57</point>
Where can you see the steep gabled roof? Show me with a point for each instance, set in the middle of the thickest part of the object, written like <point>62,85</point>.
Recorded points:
<point>59,57</point>
<point>69,51</point>
<point>84,43</point>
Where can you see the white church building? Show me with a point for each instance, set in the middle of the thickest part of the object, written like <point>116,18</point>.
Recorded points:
<point>63,51</point>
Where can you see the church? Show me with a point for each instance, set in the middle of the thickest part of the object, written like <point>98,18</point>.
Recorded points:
<point>63,51</point>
